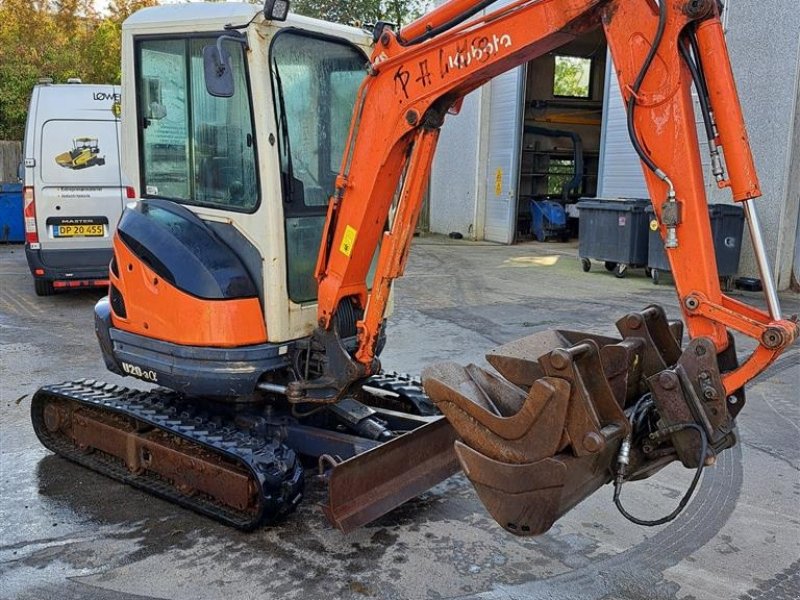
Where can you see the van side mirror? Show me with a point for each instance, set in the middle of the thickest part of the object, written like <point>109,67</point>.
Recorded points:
<point>21,171</point>
<point>217,68</point>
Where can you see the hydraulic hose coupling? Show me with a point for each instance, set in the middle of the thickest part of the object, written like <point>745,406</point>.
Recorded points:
<point>671,218</point>
<point>623,460</point>
<point>716,162</point>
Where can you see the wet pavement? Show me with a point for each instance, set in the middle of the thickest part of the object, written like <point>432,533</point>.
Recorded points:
<point>68,533</point>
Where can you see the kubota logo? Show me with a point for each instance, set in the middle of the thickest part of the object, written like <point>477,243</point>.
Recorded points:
<point>140,372</point>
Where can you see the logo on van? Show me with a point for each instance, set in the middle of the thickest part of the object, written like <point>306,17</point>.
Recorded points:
<point>106,96</point>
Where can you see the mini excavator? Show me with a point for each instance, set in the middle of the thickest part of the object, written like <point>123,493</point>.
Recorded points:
<point>252,278</point>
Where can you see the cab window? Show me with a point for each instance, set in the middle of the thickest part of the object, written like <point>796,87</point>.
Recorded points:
<point>315,82</point>
<point>196,149</point>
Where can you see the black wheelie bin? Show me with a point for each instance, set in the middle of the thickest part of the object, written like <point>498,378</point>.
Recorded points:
<point>613,231</point>
<point>727,228</point>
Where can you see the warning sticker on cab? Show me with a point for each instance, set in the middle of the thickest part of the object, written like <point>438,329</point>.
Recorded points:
<point>348,240</point>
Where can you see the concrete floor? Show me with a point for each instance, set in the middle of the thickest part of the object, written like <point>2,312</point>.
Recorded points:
<point>68,533</point>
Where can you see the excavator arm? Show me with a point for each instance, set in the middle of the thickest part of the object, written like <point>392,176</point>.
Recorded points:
<point>568,411</point>
<point>423,72</point>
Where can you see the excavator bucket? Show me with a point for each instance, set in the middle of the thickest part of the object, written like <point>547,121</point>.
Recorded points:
<point>514,443</point>
<point>372,483</point>
<point>546,431</point>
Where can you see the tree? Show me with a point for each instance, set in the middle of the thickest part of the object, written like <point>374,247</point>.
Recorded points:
<point>572,76</point>
<point>400,12</point>
<point>57,39</point>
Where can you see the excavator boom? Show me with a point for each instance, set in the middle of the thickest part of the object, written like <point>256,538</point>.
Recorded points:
<point>659,51</point>
<point>641,400</point>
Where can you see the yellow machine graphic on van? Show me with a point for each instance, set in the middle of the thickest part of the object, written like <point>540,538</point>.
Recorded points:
<point>84,154</point>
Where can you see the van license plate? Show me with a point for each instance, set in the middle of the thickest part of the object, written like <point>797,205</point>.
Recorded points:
<point>78,231</point>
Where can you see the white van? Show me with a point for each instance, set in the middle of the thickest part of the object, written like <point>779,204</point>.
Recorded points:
<point>74,192</point>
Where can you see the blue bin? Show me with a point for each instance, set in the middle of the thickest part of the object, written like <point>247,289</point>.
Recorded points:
<point>548,220</point>
<point>12,226</point>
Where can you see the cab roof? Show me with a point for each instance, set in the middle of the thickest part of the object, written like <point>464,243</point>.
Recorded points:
<point>218,14</point>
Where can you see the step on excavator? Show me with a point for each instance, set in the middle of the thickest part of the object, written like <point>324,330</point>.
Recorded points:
<point>280,166</point>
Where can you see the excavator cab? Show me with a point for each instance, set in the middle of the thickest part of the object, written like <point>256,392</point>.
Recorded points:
<point>235,136</point>
<point>234,186</point>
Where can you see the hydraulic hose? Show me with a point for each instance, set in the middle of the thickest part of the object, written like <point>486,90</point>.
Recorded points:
<point>434,31</point>
<point>700,84</point>
<point>637,84</point>
<point>686,497</point>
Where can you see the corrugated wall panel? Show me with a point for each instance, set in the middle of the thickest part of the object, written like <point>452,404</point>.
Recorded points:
<point>453,193</point>
<point>620,172</point>
<point>453,190</point>
<point>505,130</point>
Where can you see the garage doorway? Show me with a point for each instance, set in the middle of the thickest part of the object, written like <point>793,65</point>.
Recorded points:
<point>560,130</point>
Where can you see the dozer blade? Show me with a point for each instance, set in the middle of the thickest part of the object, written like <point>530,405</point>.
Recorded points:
<point>369,485</point>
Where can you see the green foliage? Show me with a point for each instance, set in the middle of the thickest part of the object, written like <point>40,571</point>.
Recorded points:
<point>572,76</point>
<point>57,39</point>
<point>400,12</point>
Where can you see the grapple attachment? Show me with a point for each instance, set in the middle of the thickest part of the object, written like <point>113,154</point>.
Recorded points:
<point>570,412</point>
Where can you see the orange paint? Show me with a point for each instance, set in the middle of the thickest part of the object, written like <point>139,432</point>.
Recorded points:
<point>742,176</point>
<point>158,310</point>
<point>404,100</point>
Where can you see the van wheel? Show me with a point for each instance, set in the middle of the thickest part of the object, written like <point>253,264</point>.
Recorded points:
<point>43,287</point>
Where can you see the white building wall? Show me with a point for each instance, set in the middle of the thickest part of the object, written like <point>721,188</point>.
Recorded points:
<point>453,189</point>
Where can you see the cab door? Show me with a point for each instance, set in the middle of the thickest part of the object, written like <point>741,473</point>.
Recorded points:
<point>315,81</point>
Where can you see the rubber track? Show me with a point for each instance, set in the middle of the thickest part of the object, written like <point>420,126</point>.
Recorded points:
<point>410,390</point>
<point>271,464</point>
